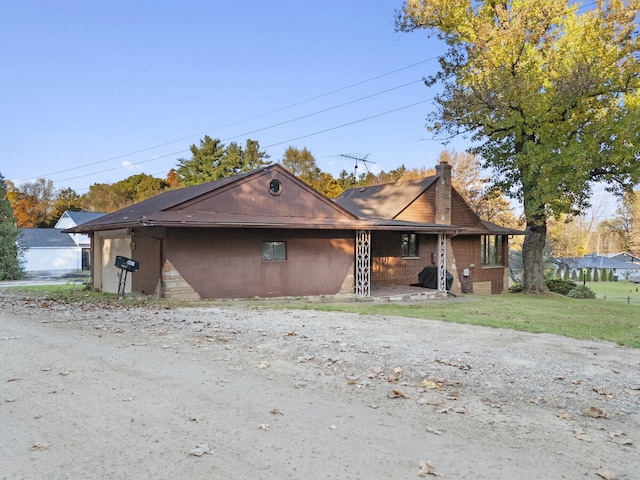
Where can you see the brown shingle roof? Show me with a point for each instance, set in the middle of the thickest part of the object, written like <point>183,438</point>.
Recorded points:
<point>164,210</point>
<point>383,201</point>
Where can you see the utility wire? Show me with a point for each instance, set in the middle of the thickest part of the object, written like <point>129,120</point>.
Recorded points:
<point>332,92</point>
<point>267,146</point>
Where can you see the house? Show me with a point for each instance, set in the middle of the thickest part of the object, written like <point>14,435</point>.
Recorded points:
<point>265,233</point>
<point>620,269</point>
<point>624,257</point>
<point>50,252</point>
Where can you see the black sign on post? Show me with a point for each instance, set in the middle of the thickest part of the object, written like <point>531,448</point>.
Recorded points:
<point>125,265</point>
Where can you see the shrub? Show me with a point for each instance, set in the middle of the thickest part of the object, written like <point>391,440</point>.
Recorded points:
<point>562,287</point>
<point>581,291</point>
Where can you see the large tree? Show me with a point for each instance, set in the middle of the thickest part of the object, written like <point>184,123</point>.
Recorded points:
<point>212,160</point>
<point>549,93</point>
<point>10,251</point>
<point>32,203</point>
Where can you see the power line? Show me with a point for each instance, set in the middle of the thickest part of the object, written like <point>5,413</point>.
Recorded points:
<point>267,146</point>
<point>332,92</point>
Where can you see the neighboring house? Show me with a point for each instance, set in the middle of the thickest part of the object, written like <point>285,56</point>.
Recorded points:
<point>623,257</point>
<point>50,252</point>
<point>71,219</point>
<point>620,269</point>
<point>266,233</point>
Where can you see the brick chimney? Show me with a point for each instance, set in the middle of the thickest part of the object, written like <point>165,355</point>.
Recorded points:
<point>443,193</point>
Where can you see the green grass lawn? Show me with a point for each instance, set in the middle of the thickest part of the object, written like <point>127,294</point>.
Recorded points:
<point>598,319</point>
<point>621,291</point>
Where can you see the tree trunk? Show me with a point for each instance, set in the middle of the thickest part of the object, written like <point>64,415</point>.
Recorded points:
<point>532,249</point>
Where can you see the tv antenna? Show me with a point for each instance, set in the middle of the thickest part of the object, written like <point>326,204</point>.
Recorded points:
<point>361,159</point>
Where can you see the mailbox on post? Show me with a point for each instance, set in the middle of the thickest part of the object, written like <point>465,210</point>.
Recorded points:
<point>125,265</point>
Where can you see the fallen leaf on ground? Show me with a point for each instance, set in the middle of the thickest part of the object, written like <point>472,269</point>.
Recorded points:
<point>397,394</point>
<point>429,385</point>
<point>620,438</point>
<point>452,364</point>
<point>594,412</point>
<point>39,446</point>
<point>14,379</point>
<point>603,391</point>
<point>435,432</point>
<point>201,450</point>
<point>275,411</point>
<point>563,415</point>
<point>426,468</point>
<point>607,474</point>
<point>263,365</point>
<point>264,426</point>
<point>397,370</point>
<point>581,435</point>
<point>490,403</point>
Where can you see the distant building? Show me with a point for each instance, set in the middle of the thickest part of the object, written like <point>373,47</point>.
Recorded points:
<point>621,269</point>
<point>51,253</point>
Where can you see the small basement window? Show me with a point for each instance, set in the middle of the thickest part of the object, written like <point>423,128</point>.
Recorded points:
<point>274,251</point>
<point>409,245</point>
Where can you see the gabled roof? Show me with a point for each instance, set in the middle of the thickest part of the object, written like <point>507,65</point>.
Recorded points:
<point>45,238</point>
<point>229,202</point>
<point>78,218</point>
<point>383,201</point>
<point>390,200</point>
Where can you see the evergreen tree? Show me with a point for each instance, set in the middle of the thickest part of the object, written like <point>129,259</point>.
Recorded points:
<point>10,251</point>
<point>212,160</point>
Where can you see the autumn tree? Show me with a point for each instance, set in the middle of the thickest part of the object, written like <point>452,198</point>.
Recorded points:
<point>10,250</point>
<point>212,160</point>
<point>548,94</point>
<point>173,179</point>
<point>302,164</point>
<point>626,223</point>
<point>104,197</point>
<point>66,199</point>
<point>32,203</point>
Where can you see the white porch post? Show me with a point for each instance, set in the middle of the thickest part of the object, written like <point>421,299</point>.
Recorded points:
<point>363,265</point>
<point>442,262</point>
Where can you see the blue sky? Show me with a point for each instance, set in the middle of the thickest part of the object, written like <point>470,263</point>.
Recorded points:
<point>93,92</point>
<point>86,85</point>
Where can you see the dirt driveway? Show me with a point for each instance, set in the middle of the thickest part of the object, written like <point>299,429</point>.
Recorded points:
<point>237,392</point>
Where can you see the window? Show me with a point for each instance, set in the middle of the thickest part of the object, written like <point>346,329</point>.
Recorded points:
<point>275,187</point>
<point>491,250</point>
<point>409,245</point>
<point>274,251</point>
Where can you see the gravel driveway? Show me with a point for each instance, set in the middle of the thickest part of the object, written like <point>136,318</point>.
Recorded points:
<point>235,392</point>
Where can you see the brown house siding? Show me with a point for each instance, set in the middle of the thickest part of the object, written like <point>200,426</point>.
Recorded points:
<point>482,279</point>
<point>146,250</point>
<point>387,264</point>
<point>227,263</point>
<point>252,197</point>
<point>422,209</point>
